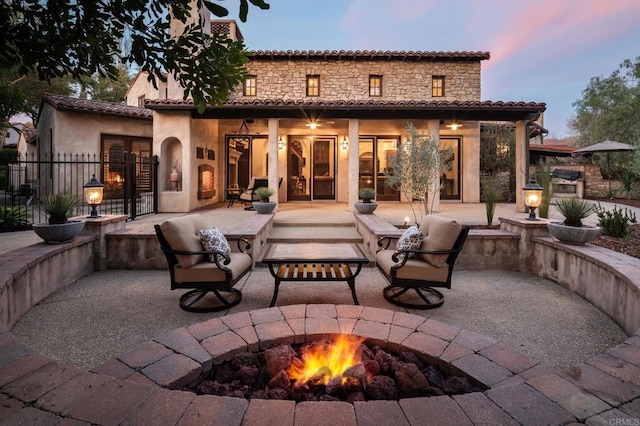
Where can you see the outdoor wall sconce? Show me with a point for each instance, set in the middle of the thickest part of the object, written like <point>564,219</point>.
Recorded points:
<point>280,144</point>
<point>532,197</point>
<point>454,125</point>
<point>344,143</point>
<point>93,193</point>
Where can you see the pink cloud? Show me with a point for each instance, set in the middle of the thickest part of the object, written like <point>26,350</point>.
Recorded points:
<point>561,27</point>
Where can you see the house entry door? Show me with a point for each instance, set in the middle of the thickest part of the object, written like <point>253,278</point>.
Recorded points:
<point>311,168</point>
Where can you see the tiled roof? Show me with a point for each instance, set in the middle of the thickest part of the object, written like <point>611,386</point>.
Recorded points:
<point>370,55</point>
<point>67,103</point>
<point>172,103</point>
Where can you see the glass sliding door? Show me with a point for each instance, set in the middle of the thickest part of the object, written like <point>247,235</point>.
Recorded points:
<point>450,178</point>
<point>375,156</point>
<point>299,168</point>
<point>246,158</point>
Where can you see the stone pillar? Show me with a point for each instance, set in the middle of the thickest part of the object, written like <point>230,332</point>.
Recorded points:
<point>354,163</point>
<point>433,127</point>
<point>522,163</point>
<point>274,178</point>
<point>100,227</point>
<point>527,229</point>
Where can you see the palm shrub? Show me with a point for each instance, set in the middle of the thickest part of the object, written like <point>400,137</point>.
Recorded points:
<point>490,192</point>
<point>574,210</point>
<point>543,177</point>
<point>615,223</point>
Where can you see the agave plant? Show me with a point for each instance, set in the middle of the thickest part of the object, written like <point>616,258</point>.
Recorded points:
<point>574,210</point>
<point>59,206</point>
<point>264,193</point>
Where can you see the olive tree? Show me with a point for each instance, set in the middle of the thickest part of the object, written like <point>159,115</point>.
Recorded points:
<point>417,167</point>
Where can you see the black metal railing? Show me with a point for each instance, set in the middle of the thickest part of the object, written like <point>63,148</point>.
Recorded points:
<point>130,184</point>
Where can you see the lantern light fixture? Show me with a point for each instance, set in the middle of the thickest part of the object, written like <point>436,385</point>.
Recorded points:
<point>93,194</point>
<point>344,144</point>
<point>280,144</point>
<point>532,197</point>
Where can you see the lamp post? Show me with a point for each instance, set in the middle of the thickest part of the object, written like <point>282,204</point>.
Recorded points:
<point>93,193</point>
<point>532,197</point>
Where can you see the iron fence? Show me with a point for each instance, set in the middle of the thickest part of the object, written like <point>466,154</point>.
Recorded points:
<point>130,184</point>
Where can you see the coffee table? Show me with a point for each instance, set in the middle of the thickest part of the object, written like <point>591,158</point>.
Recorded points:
<point>314,262</point>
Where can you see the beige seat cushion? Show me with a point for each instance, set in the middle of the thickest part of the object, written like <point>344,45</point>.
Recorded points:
<point>414,269</point>
<point>442,234</point>
<point>183,234</point>
<point>207,271</point>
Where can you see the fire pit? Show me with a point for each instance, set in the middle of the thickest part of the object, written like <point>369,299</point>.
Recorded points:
<point>188,355</point>
<point>339,369</point>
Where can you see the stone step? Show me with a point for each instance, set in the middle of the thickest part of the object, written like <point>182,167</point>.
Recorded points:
<point>313,224</point>
<point>310,234</point>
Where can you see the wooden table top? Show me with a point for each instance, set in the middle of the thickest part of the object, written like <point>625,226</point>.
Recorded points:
<point>314,253</point>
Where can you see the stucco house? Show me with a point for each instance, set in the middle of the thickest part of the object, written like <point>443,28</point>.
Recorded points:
<point>325,122</point>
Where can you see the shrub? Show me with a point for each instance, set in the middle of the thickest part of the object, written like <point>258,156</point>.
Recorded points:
<point>13,217</point>
<point>628,185</point>
<point>615,223</point>
<point>574,210</point>
<point>59,206</point>
<point>367,194</point>
<point>264,193</point>
<point>490,192</point>
<point>543,177</point>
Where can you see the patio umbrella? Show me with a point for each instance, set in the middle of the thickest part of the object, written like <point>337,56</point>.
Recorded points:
<point>606,147</point>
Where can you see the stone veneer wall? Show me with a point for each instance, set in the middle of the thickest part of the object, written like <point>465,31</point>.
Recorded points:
<point>349,79</point>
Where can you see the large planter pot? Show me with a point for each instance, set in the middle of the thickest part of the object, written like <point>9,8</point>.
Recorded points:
<point>573,234</point>
<point>264,208</point>
<point>54,234</point>
<point>365,208</point>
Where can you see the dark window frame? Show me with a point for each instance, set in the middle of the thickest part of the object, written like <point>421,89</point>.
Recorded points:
<point>250,89</point>
<point>313,90</point>
<point>437,86</point>
<point>372,87</point>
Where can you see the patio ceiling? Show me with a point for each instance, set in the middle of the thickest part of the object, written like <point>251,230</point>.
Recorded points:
<point>365,109</point>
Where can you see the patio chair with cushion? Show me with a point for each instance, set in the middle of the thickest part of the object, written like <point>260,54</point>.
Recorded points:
<point>248,195</point>
<point>424,258</point>
<point>200,258</point>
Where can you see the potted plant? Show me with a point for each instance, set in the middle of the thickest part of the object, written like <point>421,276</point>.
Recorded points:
<point>264,206</point>
<point>59,229</point>
<point>366,206</point>
<point>572,231</point>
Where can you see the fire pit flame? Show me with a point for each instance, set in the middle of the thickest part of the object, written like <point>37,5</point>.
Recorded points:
<point>323,362</point>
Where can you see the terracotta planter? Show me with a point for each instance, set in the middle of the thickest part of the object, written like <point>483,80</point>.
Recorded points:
<point>365,208</point>
<point>573,234</point>
<point>264,208</point>
<point>54,234</point>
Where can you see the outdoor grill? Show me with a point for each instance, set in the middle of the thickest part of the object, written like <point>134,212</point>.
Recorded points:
<point>567,183</point>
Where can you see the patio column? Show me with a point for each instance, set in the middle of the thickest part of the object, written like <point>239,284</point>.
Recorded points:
<point>354,164</point>
<point>433,127</point>
<point>274,126</point>
<point>522,163</point>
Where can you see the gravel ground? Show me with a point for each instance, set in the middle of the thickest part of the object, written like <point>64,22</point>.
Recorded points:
<point>108,313</point>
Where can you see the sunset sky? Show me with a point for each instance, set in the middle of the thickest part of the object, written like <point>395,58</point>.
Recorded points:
<point>541,50</point>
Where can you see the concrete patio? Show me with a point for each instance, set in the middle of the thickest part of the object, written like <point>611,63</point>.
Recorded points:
<point>95,322</point>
